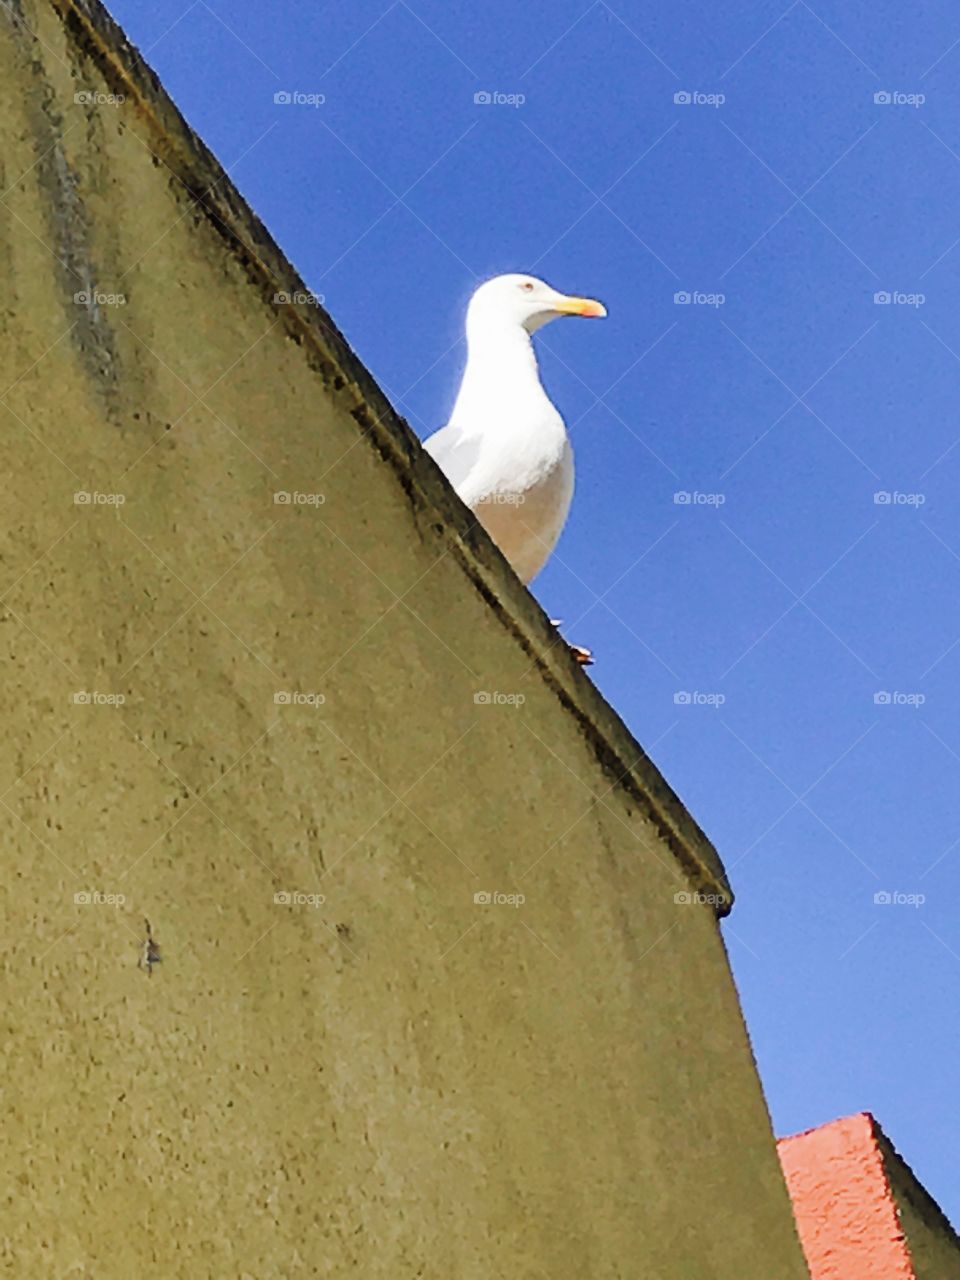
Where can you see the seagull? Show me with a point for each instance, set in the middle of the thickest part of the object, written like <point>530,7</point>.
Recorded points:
<point>505,449</point>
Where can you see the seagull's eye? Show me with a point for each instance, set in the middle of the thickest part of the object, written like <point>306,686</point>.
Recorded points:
<point>527,286</point>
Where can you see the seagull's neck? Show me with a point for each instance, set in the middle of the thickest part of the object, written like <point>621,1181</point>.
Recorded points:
<point>501,377</point>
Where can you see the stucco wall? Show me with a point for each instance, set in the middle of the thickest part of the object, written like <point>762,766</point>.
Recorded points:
<point>933,1244</point>
<point>397,1081</point>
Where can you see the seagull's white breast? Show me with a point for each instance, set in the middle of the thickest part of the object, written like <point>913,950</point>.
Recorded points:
<point>526,525</point>
<point>513,467</point>
<point>521,495</point>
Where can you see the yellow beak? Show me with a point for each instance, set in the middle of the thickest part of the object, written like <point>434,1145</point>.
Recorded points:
<point>579,307</point>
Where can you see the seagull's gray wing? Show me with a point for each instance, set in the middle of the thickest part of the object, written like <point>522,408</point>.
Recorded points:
<point>455,455</point>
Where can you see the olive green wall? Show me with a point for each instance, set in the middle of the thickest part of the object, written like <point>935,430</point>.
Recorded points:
<point>932,1242</point>
<point>380,1076</point>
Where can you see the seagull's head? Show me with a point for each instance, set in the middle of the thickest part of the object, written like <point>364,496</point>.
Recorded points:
<point>525,301</point>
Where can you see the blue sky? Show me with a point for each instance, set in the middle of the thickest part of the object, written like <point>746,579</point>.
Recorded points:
<point>783,586</point>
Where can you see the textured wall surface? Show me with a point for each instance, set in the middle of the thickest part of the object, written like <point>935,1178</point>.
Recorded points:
<point>861,1213</point>
<point>845,1211</point>
<point>254,1021</point>
<point>933,1244</point>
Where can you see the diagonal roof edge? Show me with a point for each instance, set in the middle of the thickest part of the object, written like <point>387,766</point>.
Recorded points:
<point>94,34</point>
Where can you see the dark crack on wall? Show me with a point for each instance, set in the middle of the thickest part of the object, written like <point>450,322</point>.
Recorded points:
<point>67,231</point>
<point>92,336</point>
<point>12,9</point>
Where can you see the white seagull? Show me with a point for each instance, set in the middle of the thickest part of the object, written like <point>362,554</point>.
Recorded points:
<point>505,449</point>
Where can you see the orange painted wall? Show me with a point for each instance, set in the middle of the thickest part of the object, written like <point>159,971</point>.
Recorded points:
<point>845,1210</point>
